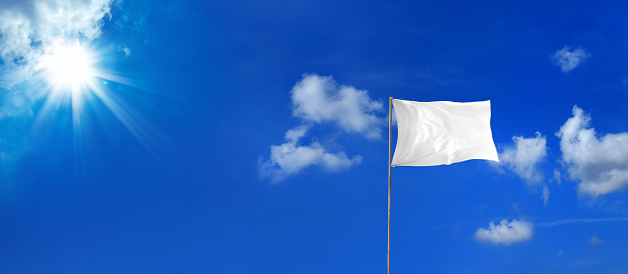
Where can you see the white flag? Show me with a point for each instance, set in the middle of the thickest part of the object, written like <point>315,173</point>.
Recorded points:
<point>442,133</point>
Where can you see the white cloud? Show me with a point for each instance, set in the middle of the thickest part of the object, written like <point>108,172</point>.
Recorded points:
<point>594,240</point>
<point>126,50</point>
<point>568,59</point>
<point>505,232</point>
<point>600,165</point>
<point>290,158</point>
<point>317,99</point>
<point>293,135</point>
<point>523,158</point>
<point>29,28</point>
<point>320,99</point>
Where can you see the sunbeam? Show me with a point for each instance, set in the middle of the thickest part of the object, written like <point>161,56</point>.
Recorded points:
<point>72,78</point>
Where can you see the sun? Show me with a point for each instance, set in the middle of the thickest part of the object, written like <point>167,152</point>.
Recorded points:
<point>69,67</point>
<point>74,79</point>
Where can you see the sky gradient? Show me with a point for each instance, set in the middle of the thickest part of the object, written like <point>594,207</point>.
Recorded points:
<point>251,137</point>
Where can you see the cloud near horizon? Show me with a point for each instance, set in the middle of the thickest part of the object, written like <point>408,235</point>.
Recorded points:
<point>29,29</point>
<point>505,232</point>
<point>599,165</point>
<point>319,100</point>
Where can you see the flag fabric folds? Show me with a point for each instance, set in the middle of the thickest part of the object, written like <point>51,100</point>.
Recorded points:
<point>442,133</point>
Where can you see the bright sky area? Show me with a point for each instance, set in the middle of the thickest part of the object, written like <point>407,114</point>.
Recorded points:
<point>252,136</point>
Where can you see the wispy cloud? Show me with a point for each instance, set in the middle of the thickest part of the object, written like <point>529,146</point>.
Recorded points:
<point>545,195</point>
<point>600,165</point>
<point>132,15</point>
<point>29,28</point>
<point>594,240</point>
<point>14,143</point>
<point>557,176</point>
<point>317,100</point>
<point>505,232</point>
<point>125,50</point>
<point>410,78</point>
<point>568,59</point>
<point>580,221</point>
<point>15,103</point>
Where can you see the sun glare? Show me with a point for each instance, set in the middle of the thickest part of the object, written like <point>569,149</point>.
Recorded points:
<point>74,78</point>
<point>69,67</point>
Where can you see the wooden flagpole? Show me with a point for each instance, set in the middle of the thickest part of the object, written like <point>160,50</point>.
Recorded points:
<point>389,184</point>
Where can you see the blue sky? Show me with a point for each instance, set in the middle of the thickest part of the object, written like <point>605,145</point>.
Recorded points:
<point>251,137</point>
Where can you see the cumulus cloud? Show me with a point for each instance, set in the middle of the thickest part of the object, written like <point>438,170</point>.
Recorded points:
<point>523,158</point>
<point>568,59</point>
<point>505,232</point>
<point>290,158</point>
<point>599,165</point>
<point>320,99</point>
<point>28,29</point>
<point>594,240</point>
<point>317,100</point>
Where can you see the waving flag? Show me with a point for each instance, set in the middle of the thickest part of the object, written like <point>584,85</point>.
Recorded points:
<point>442,133</point>
<point>439,133</point>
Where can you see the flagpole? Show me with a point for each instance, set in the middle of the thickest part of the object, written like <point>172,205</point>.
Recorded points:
<point>389,184</point>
